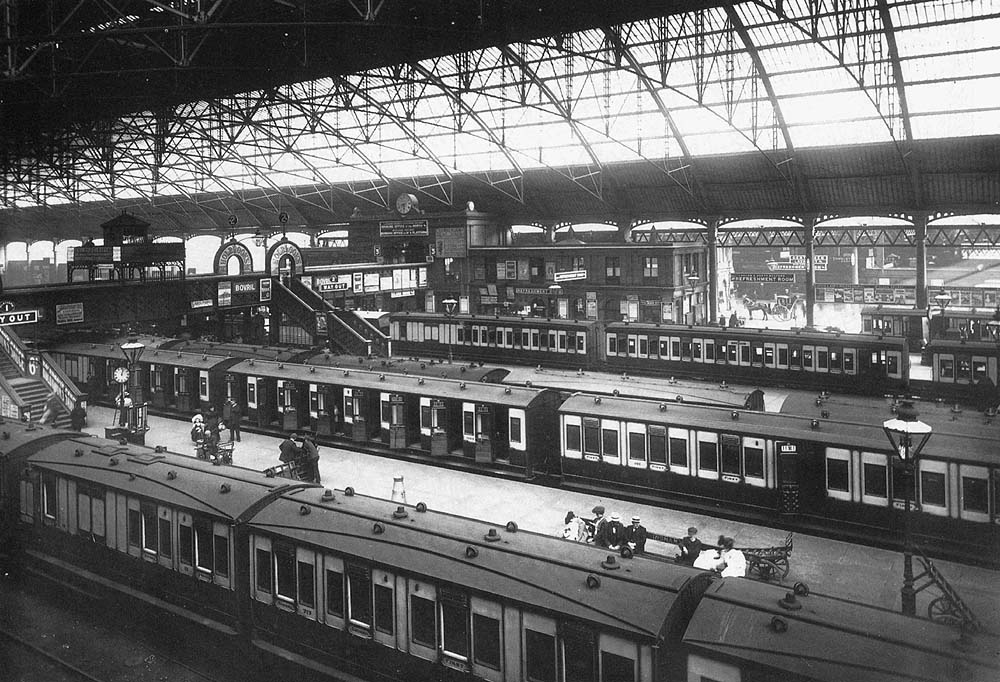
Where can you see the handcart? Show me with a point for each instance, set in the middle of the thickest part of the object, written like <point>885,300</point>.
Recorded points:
<point>296,469</point>
<point>768,563</point>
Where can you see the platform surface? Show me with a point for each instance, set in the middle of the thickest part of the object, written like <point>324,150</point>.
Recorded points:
<point>840,569</point>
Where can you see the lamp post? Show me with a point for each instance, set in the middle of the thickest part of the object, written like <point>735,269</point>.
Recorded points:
<point>449,310</point>
<point>942,299</point>
<point>692,280</point>
<point>908,437</point>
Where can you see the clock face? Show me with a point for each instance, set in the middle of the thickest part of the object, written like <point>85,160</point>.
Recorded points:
<point>121,375</point>
<point>403,204</point>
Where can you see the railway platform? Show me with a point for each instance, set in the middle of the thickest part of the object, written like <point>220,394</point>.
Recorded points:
<point>844,570</point>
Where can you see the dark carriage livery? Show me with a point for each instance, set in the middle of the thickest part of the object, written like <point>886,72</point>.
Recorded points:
<point>497,339</point>
<point>799,471</point>
<point>293,581</point>
<point>477,422</point>
<point>831,361</point>
<point>129,522</point>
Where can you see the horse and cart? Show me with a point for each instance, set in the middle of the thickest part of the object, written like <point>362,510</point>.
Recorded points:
<point>784,307</point>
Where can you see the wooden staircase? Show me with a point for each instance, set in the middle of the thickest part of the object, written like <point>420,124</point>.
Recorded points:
<point>32,391</point>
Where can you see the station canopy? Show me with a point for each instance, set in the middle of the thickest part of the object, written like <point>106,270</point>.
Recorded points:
<point>754,108</point>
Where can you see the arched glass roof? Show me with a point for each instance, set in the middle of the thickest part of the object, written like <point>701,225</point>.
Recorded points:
<point>764,77</point>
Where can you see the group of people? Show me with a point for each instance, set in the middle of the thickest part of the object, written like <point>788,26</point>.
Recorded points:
<point>606,532</point>
<point>302,450</point>
<point>208,431</point>
<point>724,559</point>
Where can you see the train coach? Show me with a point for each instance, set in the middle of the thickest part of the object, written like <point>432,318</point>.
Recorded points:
<point>835,361</point>
<point>489,426</point>
<point>801,472</point>
<point>323,584</point>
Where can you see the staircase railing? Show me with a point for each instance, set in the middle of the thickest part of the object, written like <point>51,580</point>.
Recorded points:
<point>378,339</point>
<point>344,328</point>
<point>15,348</point>
<point>292,305</point>
<point>59,382</point>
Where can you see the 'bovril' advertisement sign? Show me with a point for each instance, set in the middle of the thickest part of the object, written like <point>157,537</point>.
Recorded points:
<point>238,293</point>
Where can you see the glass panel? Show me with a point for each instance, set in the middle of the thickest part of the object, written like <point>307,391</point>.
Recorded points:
<point>203,545</point>
<point>837,475</point>
<point>384,612</point>
<point>572,437</point>
<point>455,629</point>
<point>708,456</point>
<point>610,442</point>
<point>515,429</point>
<point>932,488</point>
<point>591,437</point>
<point>149,525</point>
<point>975,495</point>
<point>753,462</point>
<point>875,479</point>
<point>186,549</point>
<point>134,522</point>
<point>657,445</point>
<point>422,629</point>
<point>307,584</point>
<point>539,656</point>
<point>678,452</point>
<point>578,654</point>
<point>617,668</point>
<point>335,592</point>
<point>359,593</point>
<point>263,570</point>
<point>731,454</point>
<point>486,640</point>
<point>165,547</point>
<point>284,566</point>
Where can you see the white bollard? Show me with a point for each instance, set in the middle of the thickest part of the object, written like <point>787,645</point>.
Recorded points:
<point>398,492</point>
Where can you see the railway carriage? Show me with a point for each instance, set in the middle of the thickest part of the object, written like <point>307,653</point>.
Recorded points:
<point>134,523</point>
<point>963,363</point>
<point>531,340</point>
<point>482,423</point>
<point>853,362</point>
<point>800,471</point>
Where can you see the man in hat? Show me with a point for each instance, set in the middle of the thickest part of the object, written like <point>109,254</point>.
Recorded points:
<point>289,450</point>
<point>597,523</point>
<point>612,533</point>
<point>690,547</point>
<point>310,453</point>
<point>635,536</point>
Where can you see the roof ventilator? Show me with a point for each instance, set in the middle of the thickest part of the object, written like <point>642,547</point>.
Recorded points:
<point>611,563</point>
<point>327,495</point>
<point>304,510</point>
<point>593,582</point>
<point>378,528</point>
<point>171,475</point>
<point>492,535</point>
<point>400,513</point>
<point>224,488</point>
<point>789,602</point>
<point>471,552</point>
<point>349,491</point>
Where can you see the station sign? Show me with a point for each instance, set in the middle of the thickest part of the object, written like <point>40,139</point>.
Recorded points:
<point>570,275</point>
<point>13,317</point>
<point>403,228</point>
<point>768,277</point>
<point>334,286</point>
<point>798,264</point>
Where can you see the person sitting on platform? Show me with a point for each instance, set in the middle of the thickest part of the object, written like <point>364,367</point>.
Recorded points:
<point>594,527</point>
<point>690,547</point>
<point>733,562</point>
<point>574,528</point>
<point>635,536</point>
<point>612,533</point>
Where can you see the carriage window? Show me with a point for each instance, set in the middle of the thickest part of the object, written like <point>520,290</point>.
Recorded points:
<point>572,436</point>
<point>486,640</point>
<point>795,359</point>
<point>834,360</point>
<point>469,423</point>
<point>708,456</point>
<point>610,442</point>
<point>675,348</point>
<point>782,356</point>
<point>203,545</point>
<point>615,667</point>
<point>709,351</point>
<point>838,474</point>
<point>455,628</point>
<point>685,349</point>
<point>515,429</point>
<point>807,358</point>
<point>222,555</point>
<point>307,584</point>
<point>90,516</point>
<point>745,353</point>
<point>664,348</point>
<point>696,350</point>
<point>733,351</point>
<point>134,522</point>
<point>539,656</point>
<point>263,568</point>
<point>631,346</point>
<point>848,361</point>
<point>637,446</point>
<point>753,462</point>
<point>758,354</point>
<point>678,452</point>
<point>149,527</point>
<point>875,479</point>
<point>386,411</point>
<point>335,593</point>
<point>422,630</point>
<point>612,344</point>
<point>963,369</point>
<point>591,436</point>
<point>359,596</point>
<point>578,654</point>
<point>822,361</point>
<point>384,612</point>
<point>643,345</point>
<point>185,549</point>
<point>657,445</point>
<point>978,369</point>
<point>768,355</point>
<point>731,454</point>
<point>284,572</point>
<point>893,364</point>
<point>975,495</point>
<point>425,416</point>
<point>50,504</point>
<point>932,488</point>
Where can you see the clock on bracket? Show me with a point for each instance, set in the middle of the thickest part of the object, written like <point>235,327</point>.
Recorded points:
<point>405,203</point>
<point>121,375</point>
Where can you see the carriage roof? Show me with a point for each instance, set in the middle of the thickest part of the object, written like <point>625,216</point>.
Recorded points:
<point>799,335</point>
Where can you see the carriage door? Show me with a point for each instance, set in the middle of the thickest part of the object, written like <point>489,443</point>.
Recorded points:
<point>397,421</point>
<point>788,477</point>
<point>469,429</point>
<point>484,433</point>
